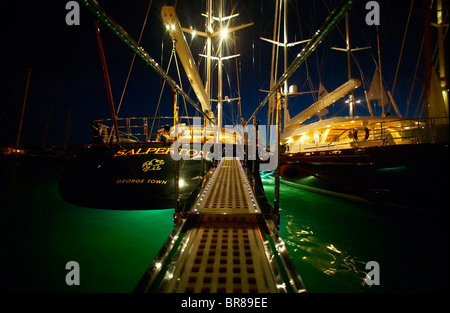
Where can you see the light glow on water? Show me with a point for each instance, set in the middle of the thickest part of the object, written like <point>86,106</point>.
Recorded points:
<point>330,240</point>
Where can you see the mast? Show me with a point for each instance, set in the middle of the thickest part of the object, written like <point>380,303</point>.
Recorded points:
<point>209,31</point>
<point>107,82</point>
<point>427,56</point>
<point>435,85</point>
<point>285,44</point>
<point>19,133</point>
<point>441,53</point>
<point>176,31</point>
<point>351,97</point>
<point>44,141</point>
<point>97,11</point>
<point>68,126</point>
<point>285,30</point>
<point>348,49</point>
<point>219,70</point>
<point>379,70</point>
<point>273,69</point>
<point>329,24</point>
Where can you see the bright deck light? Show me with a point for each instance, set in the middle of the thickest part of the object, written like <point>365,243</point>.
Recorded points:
<point>223,33</point>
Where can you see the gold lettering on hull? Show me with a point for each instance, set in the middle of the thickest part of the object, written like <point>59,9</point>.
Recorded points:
<point>158,151</point>
<point>141,181</point>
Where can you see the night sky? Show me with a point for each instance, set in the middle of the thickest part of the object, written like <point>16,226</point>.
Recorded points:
<point>67,77</point>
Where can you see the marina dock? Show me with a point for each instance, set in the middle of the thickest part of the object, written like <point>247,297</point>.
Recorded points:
<point>226,242</point>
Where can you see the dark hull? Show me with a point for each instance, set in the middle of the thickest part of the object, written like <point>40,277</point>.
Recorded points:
<point>405,175</point>
<point>138,176</point>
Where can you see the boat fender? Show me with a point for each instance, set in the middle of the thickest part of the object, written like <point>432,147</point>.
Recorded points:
<point>366,135</point>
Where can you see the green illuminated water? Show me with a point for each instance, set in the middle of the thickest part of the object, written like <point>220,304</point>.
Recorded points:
<point>42,233</point>
<point>329,239</point>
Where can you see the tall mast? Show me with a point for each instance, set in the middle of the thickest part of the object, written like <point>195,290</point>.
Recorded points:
<point>19,133</point>
<point>44,141</point>
<point>379,70</point>
<point>427,55</point>
<point>209,31</point>
<point>441,53</point>
<point>285,44</point>
<point>176,31</point>
<point>107,82</point>
<point>219,81</point>
<point>351,97</point>
<point>68,126</point>
<point>348,49</point>
<point>286,112</point>
<point>273,68</point>
<point>222,32</point>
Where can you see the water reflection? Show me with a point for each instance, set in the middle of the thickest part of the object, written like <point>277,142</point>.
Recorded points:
<point>307,246</point>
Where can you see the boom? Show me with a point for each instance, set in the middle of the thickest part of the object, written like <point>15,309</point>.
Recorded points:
<point>173,25</point>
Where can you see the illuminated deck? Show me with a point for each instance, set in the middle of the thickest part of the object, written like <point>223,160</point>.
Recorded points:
<point>226,244</point>
<point>228,191</point>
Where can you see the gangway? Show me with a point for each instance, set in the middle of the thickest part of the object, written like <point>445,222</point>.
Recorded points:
<point>226,242</point>
<point>226,239</point>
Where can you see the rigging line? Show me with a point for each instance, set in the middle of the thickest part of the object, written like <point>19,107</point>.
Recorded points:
<point>134,58</point>
<point>95,9</point>
<point>274,67</point>
<point>325,49</point>
<point>330,23</point>
<point>361,72</point>
<point>235,119</point>
<point>308,77</point>
<point>343,107</point>
<point>320,64</point>
<point>275,59</point>
<point>422,92</point>
<point>160,96</point>
<point>403,45</point>
<point>229,90</point>
<point>239,89</point>
<point>13,97</point>
<point>278,40</point>
<point>436,48</point>
<point>415,75</point>
<point>421,107</point>
<point>181,83</point>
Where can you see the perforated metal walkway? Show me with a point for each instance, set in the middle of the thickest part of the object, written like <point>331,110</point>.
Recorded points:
<point>228,191</point>
<point>227,246</point>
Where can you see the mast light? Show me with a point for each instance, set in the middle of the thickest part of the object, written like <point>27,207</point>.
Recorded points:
<point>224,33</point>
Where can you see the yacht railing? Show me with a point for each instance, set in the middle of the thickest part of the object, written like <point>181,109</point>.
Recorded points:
<point>136,129</point>
<point>389,132</point>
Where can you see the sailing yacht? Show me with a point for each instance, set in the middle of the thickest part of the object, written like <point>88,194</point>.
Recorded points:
<point>375,157</point>
<point>130,167</point>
